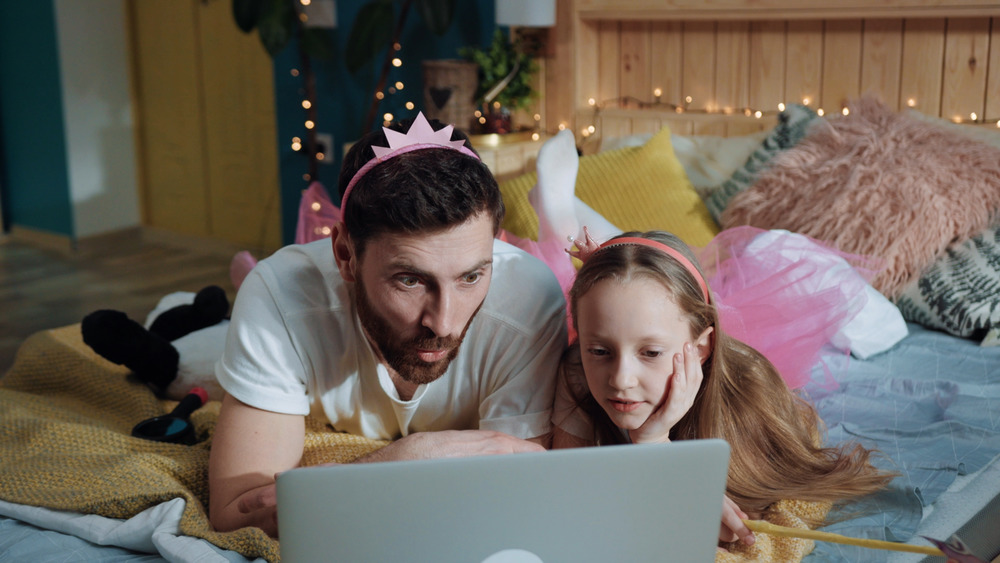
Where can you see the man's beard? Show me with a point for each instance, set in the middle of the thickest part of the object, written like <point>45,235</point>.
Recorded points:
<point>402,356</point>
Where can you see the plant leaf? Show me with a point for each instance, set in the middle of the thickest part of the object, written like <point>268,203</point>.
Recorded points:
<point>437,14</point>
<point>316,43</point>
<point>276,25</point>
<point>371,32</point>
<point>247,13</point>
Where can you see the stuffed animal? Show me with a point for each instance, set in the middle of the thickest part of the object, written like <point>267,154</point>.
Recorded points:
<point>175,350</point>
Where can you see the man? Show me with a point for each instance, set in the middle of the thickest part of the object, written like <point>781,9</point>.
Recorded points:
<point>414,325</point>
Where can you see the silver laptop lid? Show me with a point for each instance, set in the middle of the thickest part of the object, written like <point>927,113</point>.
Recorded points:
<point>612,503</point>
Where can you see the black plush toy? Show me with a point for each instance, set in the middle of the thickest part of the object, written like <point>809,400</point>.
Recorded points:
<point>178,350</point>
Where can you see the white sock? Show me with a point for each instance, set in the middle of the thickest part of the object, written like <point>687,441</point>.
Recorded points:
<point>553,195</point>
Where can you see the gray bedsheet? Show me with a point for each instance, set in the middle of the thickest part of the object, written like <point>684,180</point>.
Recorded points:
<point>931,404</point>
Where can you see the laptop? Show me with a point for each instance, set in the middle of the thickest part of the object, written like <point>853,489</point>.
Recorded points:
<point>656,502</point>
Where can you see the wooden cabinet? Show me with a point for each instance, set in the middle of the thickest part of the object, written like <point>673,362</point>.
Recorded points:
<point>206,123</point>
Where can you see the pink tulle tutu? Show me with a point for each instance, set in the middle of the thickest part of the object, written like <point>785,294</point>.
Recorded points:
<point>787,295</point>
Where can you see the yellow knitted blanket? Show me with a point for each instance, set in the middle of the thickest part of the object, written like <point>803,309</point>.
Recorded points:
<point>66,417</point>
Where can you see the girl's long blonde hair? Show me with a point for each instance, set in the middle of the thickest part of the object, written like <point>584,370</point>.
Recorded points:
<point>774,435</point>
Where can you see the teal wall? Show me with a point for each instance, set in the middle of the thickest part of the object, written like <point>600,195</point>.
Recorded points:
<point>343,98</point>
<point>35,180</point>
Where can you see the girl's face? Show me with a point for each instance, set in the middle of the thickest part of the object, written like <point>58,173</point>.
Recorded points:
<point>628,334</point>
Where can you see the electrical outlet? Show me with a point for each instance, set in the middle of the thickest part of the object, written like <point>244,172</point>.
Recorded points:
<point>324,147</point>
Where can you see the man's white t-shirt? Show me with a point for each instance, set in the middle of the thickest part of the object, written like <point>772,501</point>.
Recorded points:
<point>295,345</point>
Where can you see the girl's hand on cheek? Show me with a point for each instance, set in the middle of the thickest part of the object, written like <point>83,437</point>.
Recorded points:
<point>681,390</point>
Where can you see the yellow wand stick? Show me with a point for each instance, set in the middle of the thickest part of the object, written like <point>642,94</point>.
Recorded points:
<point>775,530</point>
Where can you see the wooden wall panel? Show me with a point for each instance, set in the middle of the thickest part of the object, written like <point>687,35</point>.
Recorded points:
<point>666,59</point>
<point>804,62</point>
<point>882,58</point>
<point>728,64</point>
<point>966,56</point>
<point>609,60</point>
<point>699,63</point>
<point>993,76</point>
<point>732,79</point>
<point>635,62</point>
<point>841,63</point>
<point>767,64</point>
<point>923,57</point>
<point>587,61</point>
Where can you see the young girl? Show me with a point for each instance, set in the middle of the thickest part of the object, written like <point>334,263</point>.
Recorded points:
<point>651,365</point>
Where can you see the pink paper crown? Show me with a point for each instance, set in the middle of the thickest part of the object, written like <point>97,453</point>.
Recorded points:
<point>420,136</point>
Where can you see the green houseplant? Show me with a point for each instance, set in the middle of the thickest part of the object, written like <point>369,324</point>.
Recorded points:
<point>505,75</point>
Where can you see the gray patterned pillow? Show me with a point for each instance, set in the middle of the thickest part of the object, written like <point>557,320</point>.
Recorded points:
<point>792,127</point>
<point>960,293</point>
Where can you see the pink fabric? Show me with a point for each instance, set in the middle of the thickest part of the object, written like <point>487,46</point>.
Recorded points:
<point>786,295</point>
<point>317,214</point>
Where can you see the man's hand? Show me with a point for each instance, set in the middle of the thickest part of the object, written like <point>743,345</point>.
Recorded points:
<point>451,443</point>
<point>678,397</point>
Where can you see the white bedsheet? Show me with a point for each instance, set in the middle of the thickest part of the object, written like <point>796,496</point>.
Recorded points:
<point>153,531</point>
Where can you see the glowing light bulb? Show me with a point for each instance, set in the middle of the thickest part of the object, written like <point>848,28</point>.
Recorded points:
<point>911,103</point>
<point>397,62</point>
<point>306,104</point>
<point>758,114</point>
<point>973,116</point>
<point>305,2</point>
<point>387,117</point>
<point>591,102</point>
<point>326,231</point>
<point>806,101</point>
<point>379,95</point>
<point>316,206</point>
<point>688,99</point>
<point>537,117</point>
<point>585,132</point>
<point>591,129</point>
<point>535,136</point>
<point>820,112</point>
<point>295,72</point>
<point>781,106</point>
<point>409,105</point>
<point>846,111</point>
<point>310,124</point>
<point>399,85</point>
<point>657,92</point>
<point>562,126</point>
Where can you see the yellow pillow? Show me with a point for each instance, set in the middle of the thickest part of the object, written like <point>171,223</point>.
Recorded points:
<point>635,188</point>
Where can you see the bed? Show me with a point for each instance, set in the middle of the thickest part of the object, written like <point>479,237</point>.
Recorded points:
<point>794,115</point>
<point>675,106</point>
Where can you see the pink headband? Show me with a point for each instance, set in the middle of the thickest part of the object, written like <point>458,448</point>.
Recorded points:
<point>665,249</point>
<point>420,136</point>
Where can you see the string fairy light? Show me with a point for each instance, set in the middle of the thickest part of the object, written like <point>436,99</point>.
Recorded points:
<point>713,109</point>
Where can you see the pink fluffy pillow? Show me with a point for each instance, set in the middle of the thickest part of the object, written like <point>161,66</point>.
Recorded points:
<point>878,183</point>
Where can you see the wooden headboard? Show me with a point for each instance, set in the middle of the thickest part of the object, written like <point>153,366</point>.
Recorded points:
<point>716,63</point>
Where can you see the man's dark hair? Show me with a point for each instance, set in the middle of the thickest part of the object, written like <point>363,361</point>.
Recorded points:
<point>425,190</point>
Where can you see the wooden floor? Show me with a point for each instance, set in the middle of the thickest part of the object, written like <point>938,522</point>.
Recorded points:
<point>43,288</point>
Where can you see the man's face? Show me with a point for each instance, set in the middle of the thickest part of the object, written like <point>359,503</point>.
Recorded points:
<point>417,294</point>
